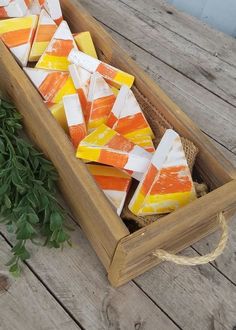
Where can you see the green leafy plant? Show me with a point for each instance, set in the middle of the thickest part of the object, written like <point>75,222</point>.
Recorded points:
<point>28,205</point>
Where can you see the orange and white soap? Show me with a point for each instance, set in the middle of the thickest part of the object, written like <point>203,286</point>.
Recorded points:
<point>52,85</point>
<point>114,76</point>
<point>113,182</point>
<point>81,79</point>
<point>44,33</point>
<point>100,102</point>
<point>57,51</point>
<point>75,118</point>
<point>128,119</point>
<point>167,185</point>
<point>53,7</point>
<point>17,34</point>
<point>85,43</point>
<point>14,8</point>
<point>106,146</point>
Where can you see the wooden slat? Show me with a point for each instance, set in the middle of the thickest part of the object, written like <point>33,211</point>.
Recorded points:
<point>210,160</point>
<point>194,62</point>
<point>78,280</point>
<point>25,303</point>
<point>217,43</point>
<point>196,298</point>
<point>173,233</point>
<point>91,208</point>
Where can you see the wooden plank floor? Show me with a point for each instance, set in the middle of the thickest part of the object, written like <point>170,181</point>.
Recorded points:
<point>196,66</point>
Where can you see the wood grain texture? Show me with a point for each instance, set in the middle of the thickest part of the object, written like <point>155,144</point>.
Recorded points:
<point>197,298</point>
<point>207,70</point>
<point>25,303</point>
<point>103,227</point>
<point>78,280</point>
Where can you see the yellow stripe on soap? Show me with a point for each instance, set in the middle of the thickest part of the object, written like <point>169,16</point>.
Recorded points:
<point>51,62</point>
<point>15,24</point>
<point>137,204</point>
<point>100,137</point>
<point>67,89</point>
<point>124,78</point>
<point>107,171</point>
<point>58,112</point>
<point>91,154</point>
<point>37,50</point>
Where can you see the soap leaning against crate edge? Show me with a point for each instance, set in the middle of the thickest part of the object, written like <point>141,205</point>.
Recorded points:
<point>123,255</point>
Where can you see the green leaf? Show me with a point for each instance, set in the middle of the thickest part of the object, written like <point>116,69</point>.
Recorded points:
<point>7,201</point>
<point>18,246</point>
<point>4,188</point>
<point>10,228</point>
<point>56,221</point>
<point>15,270</point>
<point>33,218</point>
<point>62,236</point>
<point>26,232</point>
<point>11,261</point>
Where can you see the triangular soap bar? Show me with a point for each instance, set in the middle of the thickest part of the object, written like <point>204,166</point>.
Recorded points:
<point>100,101</point>
<point>52,85</point>
<point>53,7</point>
<point>17,34</point>
<point>167,184</point>
<point>14,8</point>
<point>55,56</point>
<point>44,33</point>
<point>106,146</point>
<point>114,76</point>
<point>85,43</point>
<point>113,182</point>
<point>81,80</point>
<point>127,117</point>
<point>75,118</point>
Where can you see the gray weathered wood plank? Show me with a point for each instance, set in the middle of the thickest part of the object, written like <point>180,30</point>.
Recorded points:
<point>192,29</point>
<point>189,59</point>
<point>25,303</point>
<point>77,278</point>
<point>197,298</point>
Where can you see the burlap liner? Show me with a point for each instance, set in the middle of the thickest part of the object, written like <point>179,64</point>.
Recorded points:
<point>159,125</point>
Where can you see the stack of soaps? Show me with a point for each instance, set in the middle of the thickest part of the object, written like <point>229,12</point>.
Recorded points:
<point>95,105</point>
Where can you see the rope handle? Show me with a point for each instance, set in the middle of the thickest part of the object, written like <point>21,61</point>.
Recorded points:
<point>193,261</point>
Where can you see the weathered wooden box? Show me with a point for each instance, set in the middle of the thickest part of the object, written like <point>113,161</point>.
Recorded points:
<point>124,255</point>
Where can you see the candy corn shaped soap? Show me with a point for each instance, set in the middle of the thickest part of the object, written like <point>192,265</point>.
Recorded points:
<point>115,77</point>
<point>75,118</point>
<point>167,184</point>
<point>44,33</point>
<point>128,119</point>
<point>55,56</point>
<point>58,112</point>
<point>85,43</point>
<point>106,146</point>
<point>52,85</point>
<point>100,101</point>
<point>53,7</point>
<point>17,34</point>
<point>81,80</point>
<point>14,8</point>
<point>113,182</point>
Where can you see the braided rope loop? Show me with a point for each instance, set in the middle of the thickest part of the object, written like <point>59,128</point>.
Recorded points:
<point>193,261</point>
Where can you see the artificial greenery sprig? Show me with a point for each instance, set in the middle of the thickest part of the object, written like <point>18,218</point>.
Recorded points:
<point>28,205</point>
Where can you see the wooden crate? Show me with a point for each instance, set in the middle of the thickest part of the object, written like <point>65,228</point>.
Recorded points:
<point>123,255</point>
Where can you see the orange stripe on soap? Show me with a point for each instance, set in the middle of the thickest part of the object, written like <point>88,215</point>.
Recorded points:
<point>45,32</point>
<point>112,183</point>
<point>52,84</point>
<point>171,181</point>
<point>113,158</point>
<point>118,142</point>
<point>16,38</point>
<point>61,48</point>
<point>131,123</point>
